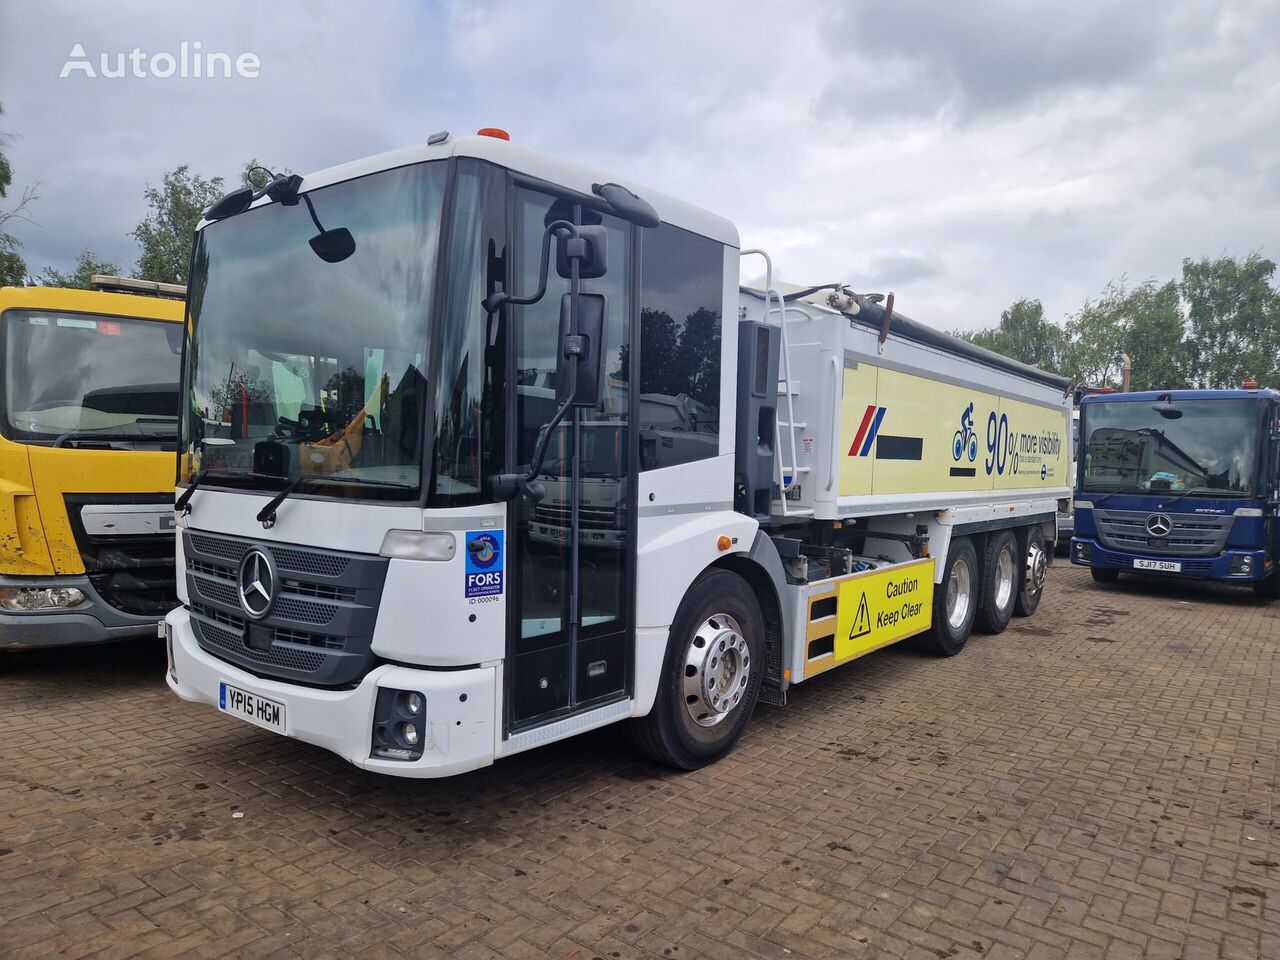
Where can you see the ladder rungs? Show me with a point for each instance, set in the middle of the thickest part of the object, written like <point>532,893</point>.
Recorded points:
<point>798,425</point>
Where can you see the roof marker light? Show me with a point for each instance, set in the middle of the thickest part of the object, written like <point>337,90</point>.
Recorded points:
<point>1250,385</point>
<point>495,132</point>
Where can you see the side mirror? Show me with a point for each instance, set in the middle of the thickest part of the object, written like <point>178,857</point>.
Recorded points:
<point>581,350</point>
<point>237,201</point>
<point>591,246</point>
<point>333,246</point>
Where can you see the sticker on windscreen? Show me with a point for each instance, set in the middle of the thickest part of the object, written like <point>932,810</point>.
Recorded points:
<point>484,563</point>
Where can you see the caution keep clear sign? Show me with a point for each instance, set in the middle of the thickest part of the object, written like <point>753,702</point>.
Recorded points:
<point>881,606</point>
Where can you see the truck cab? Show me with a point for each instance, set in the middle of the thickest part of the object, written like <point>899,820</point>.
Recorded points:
<point>1180,483</point>
<point>88,430</point>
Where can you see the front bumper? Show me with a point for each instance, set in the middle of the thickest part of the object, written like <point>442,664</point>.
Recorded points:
<point>459,706</point>
<point>92,621</point>
<point>1088,552</point>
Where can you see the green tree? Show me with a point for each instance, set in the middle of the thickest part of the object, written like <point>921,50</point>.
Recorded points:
<point>88,265</point>
<point>1024,335</point>
<point>165,234</point>
<point>1234,317</point>
<point>13,269</point>
<point>1145,322</point>
<point>1155,338</point>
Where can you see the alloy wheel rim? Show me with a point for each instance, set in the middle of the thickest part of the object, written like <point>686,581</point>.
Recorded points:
<point>1004,579</point>
<point>1037,567</point>
<point>717,670</point>
<point>959,594</point>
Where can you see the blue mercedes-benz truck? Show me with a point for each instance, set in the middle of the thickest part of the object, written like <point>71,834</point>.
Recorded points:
<point>1184,483</point>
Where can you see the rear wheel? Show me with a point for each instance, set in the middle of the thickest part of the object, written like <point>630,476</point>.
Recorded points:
<point>955,601</point>
<point>1000,580</point>
<point>711,677</point>
<point>1034,572</point>
<point>1105,574</point>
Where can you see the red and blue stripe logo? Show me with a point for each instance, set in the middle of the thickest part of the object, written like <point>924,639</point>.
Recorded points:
<point>867,431</point>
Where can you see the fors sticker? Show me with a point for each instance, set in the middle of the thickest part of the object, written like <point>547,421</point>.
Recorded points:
<point>484,563</point>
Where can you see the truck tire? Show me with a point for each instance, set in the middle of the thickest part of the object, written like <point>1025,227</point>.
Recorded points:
<point>955,601</point>
<point>1034,573</point>
<point>1268,588</point>
<point>1001,578</point>
<point>711,675</point>
<point>1105,574</point>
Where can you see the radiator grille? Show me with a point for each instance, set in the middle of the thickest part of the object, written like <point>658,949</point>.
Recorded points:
<point>1191,534</point>
<point>315,631</point>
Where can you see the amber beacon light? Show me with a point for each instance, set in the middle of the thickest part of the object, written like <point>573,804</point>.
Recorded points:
<point>496,132</point>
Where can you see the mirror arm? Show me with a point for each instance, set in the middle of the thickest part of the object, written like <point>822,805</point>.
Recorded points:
<point>496,299</point>
<point>507,485</point>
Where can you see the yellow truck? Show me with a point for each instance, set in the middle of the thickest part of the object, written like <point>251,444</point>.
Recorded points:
<point>88,419</point>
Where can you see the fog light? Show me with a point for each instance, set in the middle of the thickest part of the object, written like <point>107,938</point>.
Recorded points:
<point>40,598</point>
<point>399,724</point>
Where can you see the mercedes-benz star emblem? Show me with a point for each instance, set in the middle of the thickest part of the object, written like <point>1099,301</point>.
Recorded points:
<point>1159,525</point>
<point>257,583</point>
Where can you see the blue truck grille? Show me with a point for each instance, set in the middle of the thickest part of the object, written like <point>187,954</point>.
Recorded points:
<point>1192,534</point>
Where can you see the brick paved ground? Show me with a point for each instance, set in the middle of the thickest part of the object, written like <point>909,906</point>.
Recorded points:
<point>1101,780</point>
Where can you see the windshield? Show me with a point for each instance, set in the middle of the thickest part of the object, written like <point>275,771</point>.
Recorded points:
<point>1211,449</point>
<point>76,379</point>
<point>303,367</point>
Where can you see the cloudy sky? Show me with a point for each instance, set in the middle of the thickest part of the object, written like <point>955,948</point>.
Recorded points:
<point>961,154</point>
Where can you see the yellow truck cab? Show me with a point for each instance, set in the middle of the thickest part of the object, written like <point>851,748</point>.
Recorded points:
<point>88,416</point>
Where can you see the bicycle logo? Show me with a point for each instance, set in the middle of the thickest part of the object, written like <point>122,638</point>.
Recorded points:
<point>965,438</point>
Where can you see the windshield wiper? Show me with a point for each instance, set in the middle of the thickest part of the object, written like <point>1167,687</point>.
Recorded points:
<point>331,478</point>
<point>73,436</point>
<point>215,472</point>
<point>267,515</point>
<point>1106,496</point>
<point>1205,492</point>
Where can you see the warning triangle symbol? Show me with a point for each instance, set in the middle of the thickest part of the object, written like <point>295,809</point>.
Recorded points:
<point>861,620</point>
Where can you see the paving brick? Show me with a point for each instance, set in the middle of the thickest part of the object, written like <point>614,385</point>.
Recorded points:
<point>1099,781</point>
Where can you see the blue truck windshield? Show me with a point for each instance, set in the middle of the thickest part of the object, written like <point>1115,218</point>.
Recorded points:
<point>1211,449</point>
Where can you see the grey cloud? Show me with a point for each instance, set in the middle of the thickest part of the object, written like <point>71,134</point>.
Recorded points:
<point>916,57</point>
<point>892,269</point>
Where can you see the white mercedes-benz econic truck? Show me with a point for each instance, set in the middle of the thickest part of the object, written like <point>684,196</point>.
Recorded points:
<point>481,449</point>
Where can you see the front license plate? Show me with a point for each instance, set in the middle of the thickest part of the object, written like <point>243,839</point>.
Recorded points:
<point>256,709</point>
<point>1164,566</point>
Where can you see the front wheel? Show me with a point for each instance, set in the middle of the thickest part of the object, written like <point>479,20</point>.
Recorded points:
<point>1105,574</point>
<point>955,601</point>
<point>1034,573</point>
<point>711,677</point>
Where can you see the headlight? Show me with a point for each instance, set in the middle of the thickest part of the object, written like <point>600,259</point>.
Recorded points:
<point>418,545</point>
<point>410,734</point>
<point>40,598</point>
